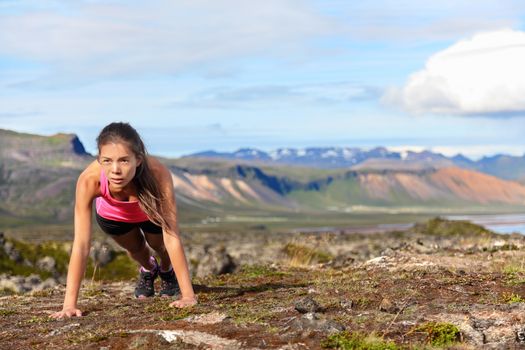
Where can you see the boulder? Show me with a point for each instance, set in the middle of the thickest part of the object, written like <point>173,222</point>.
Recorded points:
<point>216,261</point>
<point>46,263</point>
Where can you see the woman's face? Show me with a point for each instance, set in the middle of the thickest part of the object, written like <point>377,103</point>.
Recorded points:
<point>119,163</point>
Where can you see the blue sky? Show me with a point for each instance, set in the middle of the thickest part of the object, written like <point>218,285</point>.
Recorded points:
<point>197,75</point>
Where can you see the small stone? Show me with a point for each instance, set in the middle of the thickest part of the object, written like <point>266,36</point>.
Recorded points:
<point>520,335</point>
<point>376,261</point>
<point>307,304</point>
<point>331,327</point>
<point>387,306</point>
<point>101,254</point>
<point>311,316</point>
<point>46,263</point>
<point>211,318</point>
<point>346,304</point>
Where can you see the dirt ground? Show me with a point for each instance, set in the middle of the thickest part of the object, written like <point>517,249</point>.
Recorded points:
<point>477,287</point>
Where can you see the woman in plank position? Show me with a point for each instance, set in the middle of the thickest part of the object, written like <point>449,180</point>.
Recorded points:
<point>135,205</point>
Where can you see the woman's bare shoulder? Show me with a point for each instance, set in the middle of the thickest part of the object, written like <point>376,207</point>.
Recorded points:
<point>89,179</point>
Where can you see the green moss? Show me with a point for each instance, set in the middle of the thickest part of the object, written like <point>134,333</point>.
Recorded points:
<point>356,341</point>
<point>174,314</point>
<point>441,227</point>
<point>6,312</point>
<point>440,333</point>
<point>253,271</point>
<point>39,320</point>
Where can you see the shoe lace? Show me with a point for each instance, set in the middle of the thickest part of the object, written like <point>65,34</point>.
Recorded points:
<point>145,280</point>
<point>168,280</point>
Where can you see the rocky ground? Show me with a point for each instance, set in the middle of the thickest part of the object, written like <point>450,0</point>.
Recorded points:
<point>439,285</point>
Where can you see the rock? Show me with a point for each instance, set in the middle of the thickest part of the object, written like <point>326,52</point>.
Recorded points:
<point>47,284</point>
<point>520,335</point>
<point>342,260</point>
<point>63,329</point>
<point>346,304</point>
<point>387,306</point>
<point>380,260</point>
<point>21,284</point>
<point>46,263</point>
<point>8,247</point>
<point>12,253</point>
<point>471,332</point>
<point>101,254</point>
<point>314,322</point>
<point>211,318</point>
<point>216,261</point>
<point>307,305</point>
<point>7,284</point>
<point>388,252</point>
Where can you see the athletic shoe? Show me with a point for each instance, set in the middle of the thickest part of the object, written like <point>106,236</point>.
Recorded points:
<point>168,284</point>
<point>145,287</point>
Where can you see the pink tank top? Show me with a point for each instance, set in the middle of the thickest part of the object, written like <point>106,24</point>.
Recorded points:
<point>112,209</point>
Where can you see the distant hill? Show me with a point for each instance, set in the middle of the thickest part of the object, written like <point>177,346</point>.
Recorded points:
<point>344,190</point>
<point>503,166</point>
<point>38,176</point>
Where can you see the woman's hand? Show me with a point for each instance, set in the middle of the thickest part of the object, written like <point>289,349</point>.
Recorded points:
<point>184,302</point>
<point>66,312</point>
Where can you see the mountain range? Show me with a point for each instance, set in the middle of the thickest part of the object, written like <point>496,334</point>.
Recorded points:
<point>38,176</point>
<point>503,166</point>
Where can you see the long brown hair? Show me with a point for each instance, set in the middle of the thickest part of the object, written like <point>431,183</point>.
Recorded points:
<point>148,191</point>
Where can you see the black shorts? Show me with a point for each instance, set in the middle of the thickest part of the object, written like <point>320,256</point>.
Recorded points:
<point>118,228</point>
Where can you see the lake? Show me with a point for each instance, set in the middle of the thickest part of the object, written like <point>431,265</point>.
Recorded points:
<point>506,223</point>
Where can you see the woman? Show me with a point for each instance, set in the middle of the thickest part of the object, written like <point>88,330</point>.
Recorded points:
<point>135,205</point>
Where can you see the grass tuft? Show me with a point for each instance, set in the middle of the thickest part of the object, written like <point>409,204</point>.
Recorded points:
<point>357,341</point>
<point>440,333</point>
<point>301,255</point>
<point>443,228</point>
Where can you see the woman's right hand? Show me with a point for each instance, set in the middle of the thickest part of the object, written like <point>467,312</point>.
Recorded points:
<point>66,312</point>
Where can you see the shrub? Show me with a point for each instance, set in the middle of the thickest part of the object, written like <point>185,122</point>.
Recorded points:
<point>440,333</point>
<point>357,341</point>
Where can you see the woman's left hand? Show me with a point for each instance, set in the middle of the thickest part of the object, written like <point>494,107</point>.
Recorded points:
<point>184,302</point>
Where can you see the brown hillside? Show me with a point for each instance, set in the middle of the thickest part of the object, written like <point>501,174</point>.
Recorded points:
<point>475,186</point>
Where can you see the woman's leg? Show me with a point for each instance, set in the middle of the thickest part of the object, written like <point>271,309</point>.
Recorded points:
<point>156,242</point>
<point>134,243</point>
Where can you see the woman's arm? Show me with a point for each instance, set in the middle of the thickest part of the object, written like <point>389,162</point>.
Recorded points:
<point>172,239</point>
<point>81,245</point>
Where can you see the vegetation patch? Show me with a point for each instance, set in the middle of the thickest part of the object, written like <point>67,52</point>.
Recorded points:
<point>514,274</point>
<point>253,271</point>
<point>6,312</point>
<point>439,333</point>
<point>301,255</point>
<point>511,298</point>
<point>442,227</point>
<point>356,341</point>
<point>120,268</point>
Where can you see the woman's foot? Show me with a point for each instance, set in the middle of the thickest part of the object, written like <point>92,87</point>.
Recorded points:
<point>168,283</point>
<point>145,285</point>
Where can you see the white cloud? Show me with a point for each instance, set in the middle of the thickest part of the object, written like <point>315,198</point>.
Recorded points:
<point>324,94</point>
<point>482,75</point>
<point>155,37</point>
